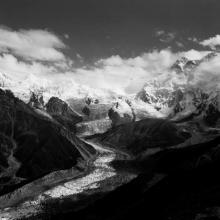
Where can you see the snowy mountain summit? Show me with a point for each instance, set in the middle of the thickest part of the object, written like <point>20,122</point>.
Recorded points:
<point>177,96</point>
<point>186,65</point>
<point>173,94</point>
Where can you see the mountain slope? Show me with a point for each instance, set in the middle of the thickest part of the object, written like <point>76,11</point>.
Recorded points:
<point>33,144</point>
<point>138,137</point>
<point>61,112</point>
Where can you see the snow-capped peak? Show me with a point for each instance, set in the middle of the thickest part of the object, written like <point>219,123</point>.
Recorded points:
<point>179,64</point>
<point>175,96</point>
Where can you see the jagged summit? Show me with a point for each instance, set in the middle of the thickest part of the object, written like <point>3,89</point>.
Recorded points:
<point>177,96</point>
<point>186,65</point>
<point>180,64</point>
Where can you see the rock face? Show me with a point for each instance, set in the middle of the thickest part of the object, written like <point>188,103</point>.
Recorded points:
<point>212,109</point>
<point>121,113</point>
<point>60,110</point>
<point>36,100</point>
<point>90,109</point>
<point>185,103</point>
<point>187,66</point>
<point>33,145</point>
<point>184,65</point>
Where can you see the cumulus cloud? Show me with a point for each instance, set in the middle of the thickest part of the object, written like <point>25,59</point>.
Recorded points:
<point>121,75</point>
<point>212,42</point>
<point>179,44</point>
<point>159,33</point>
<point>14,68</point>
<point>42,56</point>
<point>126,75</point>
<point>39,45</point>
<point>164,36</point>
<point>207,75</point>
<point>66,36</point>
<point>194,54</point>
<point>193,39</point>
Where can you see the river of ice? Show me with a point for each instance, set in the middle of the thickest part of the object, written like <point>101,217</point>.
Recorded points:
<point>91,181</point>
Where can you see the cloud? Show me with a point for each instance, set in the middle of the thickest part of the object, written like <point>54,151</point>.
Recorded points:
<point>159,33</point>
<point>78,56</point>
<point>120,75</point>
<point>32,44</point>
<point>42,57</point>
<point>194,54</point>
<point>164,36</point>
<point>10,65</point>
<point>66,36</point>
<point>207,74</point>
<point>126,75</point>
<point>179,44</point>
<point>212,42</point>
<point>193,39</point>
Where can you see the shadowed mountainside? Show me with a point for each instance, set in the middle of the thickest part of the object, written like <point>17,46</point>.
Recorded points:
<point>33,144</point>
<point>137,137</point>
<point>61,112</point>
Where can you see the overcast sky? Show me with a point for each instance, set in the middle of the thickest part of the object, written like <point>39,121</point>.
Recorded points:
<point>114,36</point>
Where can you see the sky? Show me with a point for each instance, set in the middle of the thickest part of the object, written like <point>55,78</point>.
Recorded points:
<point>112,44</point>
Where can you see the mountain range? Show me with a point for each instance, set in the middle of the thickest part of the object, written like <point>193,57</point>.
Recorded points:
<point>70,144</point>
<point>172,95</point>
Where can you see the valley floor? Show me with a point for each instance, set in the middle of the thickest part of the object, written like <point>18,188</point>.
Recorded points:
<point>41,197</point>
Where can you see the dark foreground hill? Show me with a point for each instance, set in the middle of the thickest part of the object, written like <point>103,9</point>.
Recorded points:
<point>178,182</point>
<point>33,144</point>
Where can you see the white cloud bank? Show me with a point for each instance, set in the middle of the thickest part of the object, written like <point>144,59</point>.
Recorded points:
<point>121,75</point>
<point>212,42</point>
<point>129,75</point>
<point>10,65</point>
<point>39,45</point>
